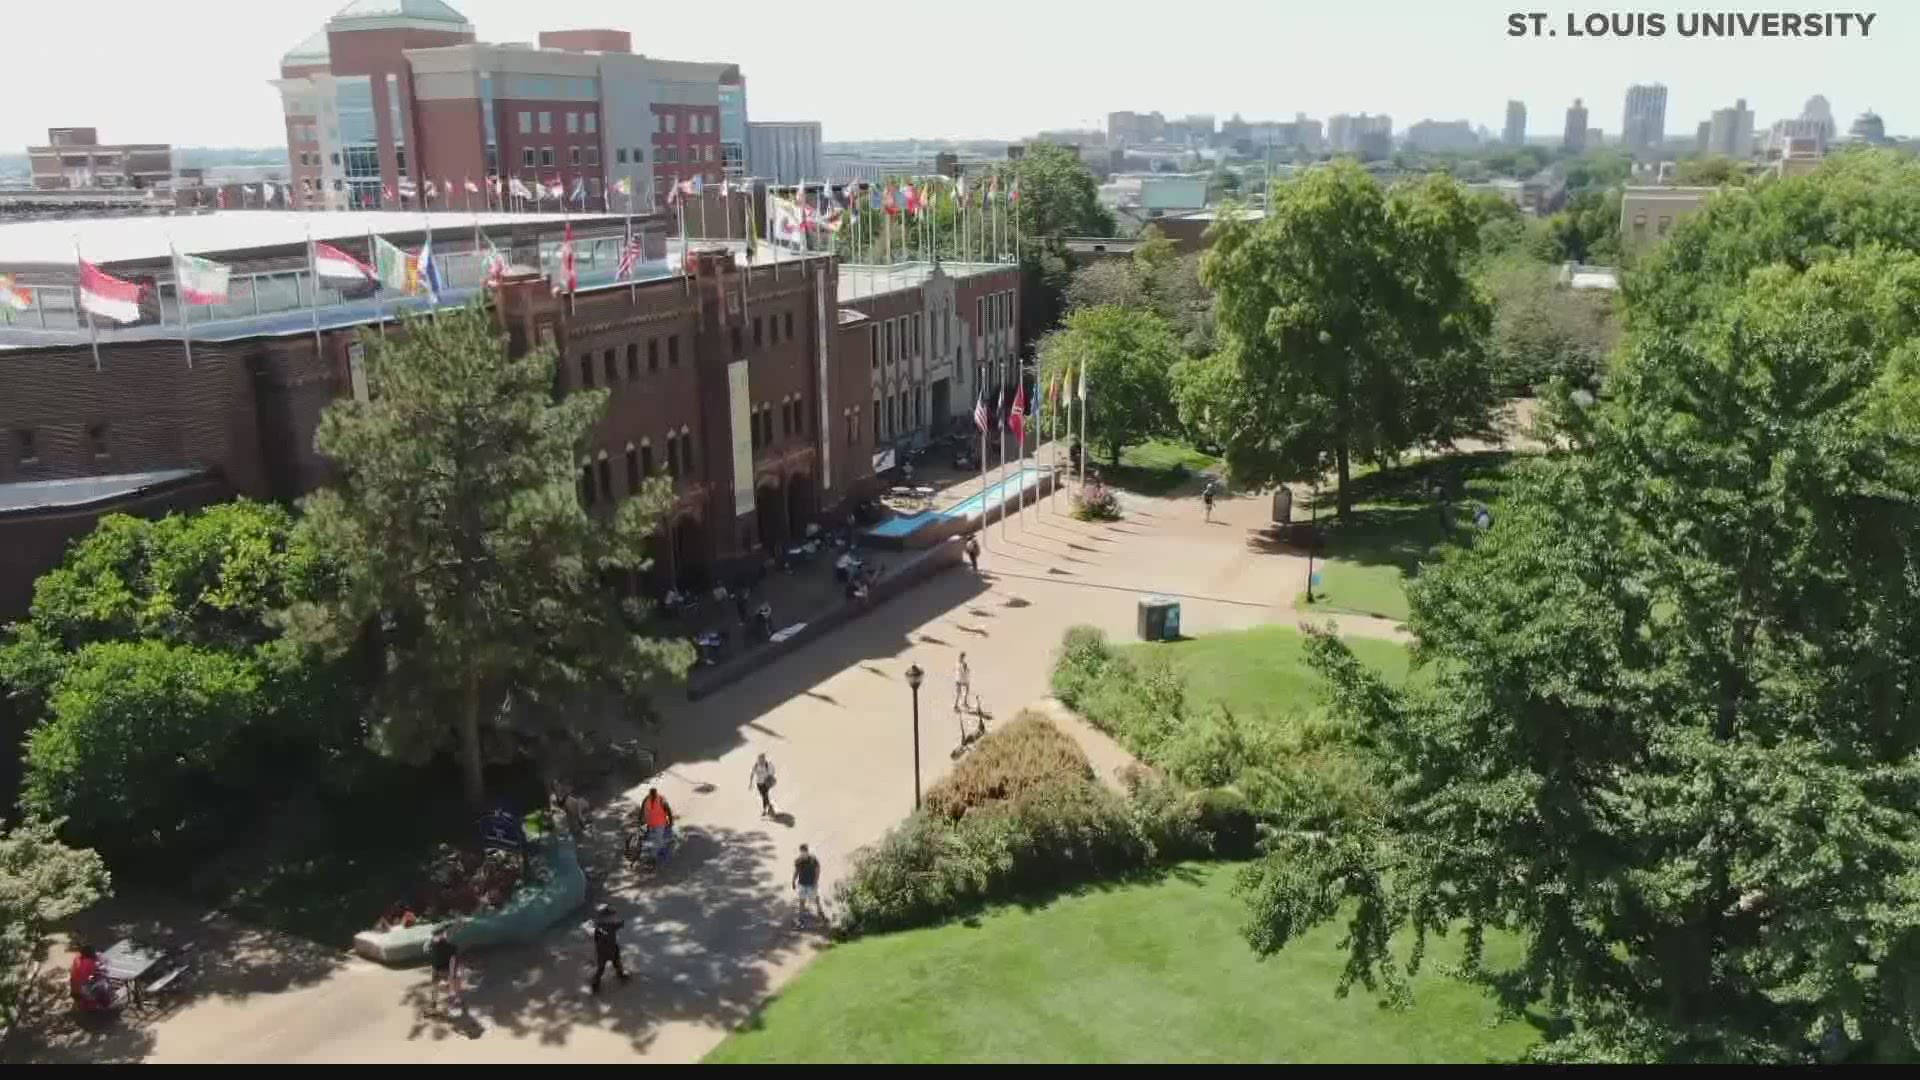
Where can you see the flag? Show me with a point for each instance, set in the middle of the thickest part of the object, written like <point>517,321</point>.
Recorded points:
<point>753,242</point>
<point>1013,195</point>
<point>874,201</point>
<point>566,261</point>
<point>993,188</point>
<point>426,271</point>
<point>830,221</point>
<point>472,188</point>
<point>391,265</point>
<point>1017,419</point>
<point>624,185</point>
<point>579,190</point>
<point>388,192</point>
<point>267,192</point>
<point>220,198</point>
<point>960,191</point>
<point>520,190</point>
<point>250,191</point>
<point>107,296</point>
<point>1083,381</point>
<point>980,418</point>
<point>14,296</point>
<point>789,220</point>
<point>496,263</point>
<point>726,189</point>
<point>697,185</point>
<point>332,264</point>
<point>408,189</point>
<point>431,190</point>
<point>557,190</point>
<point>628,256</point>
<point>200,281</point>
<point>493,184</point>
<point>912,199</point>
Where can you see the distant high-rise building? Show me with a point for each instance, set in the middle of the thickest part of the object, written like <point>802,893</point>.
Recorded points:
<point>75,158</point>
<point>1345,130</point>
<point>1644,125</point>
<point>785,153</point>
<point>1731,131</point>
<point>1516,129</point>
<point>1868,127</point>
<point>1131,128</point>
<point>1817,109</point>
<point>1442,136</point>
<point>1703,137</point>
<point>1574,137</point>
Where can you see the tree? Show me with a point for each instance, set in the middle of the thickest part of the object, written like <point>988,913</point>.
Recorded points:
<point>1126,354</point>
<point>464,550</point>
<point>1711,171</point>
<point>1354,327</point>
<point>154,676</point>
<point>1586,231</point>
<point>1059,197</point>
<point>1157,278</point>
<point>1544,330</point>
<point>1671,738</point>
<point>42,882</point>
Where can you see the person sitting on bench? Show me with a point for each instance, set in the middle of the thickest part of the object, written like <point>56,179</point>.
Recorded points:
<point>87,979</point>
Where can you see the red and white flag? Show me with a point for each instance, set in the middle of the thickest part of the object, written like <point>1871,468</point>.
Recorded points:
<point>628,257</point>
<point>566,260</point>
<point>107,296</point>
<point>1017,419</point>
<point>332,264</point>
<point>472,188</point>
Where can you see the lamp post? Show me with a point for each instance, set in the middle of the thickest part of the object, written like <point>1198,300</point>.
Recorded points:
<point>914,675</point>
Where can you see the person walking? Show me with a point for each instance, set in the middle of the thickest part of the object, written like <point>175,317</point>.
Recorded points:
<point>761,780</point>
<point>973,553</point>
<point>656,822</point>
<point>806,887</point>
<point>962,684</point>
<point>1207,495</point>
<point>605,929</point>
<point>444,956</point>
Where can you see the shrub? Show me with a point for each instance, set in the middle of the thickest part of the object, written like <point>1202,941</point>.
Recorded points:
<point>1027,754</point>
<point>140,741</point>
<point>1096,502</point>
<point>1084,657</point>
<point>1229,822</point>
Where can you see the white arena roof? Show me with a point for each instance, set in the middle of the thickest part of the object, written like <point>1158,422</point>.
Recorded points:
<point>132,239</point>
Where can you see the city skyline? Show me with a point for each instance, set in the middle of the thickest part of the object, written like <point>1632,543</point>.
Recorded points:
<point>215,91</point>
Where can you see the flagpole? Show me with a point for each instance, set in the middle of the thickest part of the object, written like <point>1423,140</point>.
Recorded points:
<point>93,332</point>
<point>630,282</point>
<point>313,279</point>
<point>186,332</point>
<point>1001,423</point>
<point>379,302</point>
<point>980,370</point>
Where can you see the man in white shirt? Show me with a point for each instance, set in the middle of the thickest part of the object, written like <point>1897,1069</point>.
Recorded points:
<point>962,683</point>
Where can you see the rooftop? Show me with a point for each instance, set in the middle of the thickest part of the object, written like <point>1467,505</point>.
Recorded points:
<point>72,492</point>
<point>385,11</point>
<point>135,239</point>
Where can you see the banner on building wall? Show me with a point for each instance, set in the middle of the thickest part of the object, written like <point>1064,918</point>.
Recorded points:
<point>740,408</point>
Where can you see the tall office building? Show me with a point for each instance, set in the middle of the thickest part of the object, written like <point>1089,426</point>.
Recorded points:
<point>785,152</point>
<point>1516,129</point>
<point>1574,137</point>
<point>1818,111</point>
<point>1731,131</point>
<point>395,99</point>
<point>1644,125</point>
<point>733,123</point>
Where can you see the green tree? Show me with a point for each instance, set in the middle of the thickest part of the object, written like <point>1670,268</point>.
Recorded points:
<point>1059,197</point>
<point>1711,171</point>
<point>1587,230</point>
<point>154,663</point>
<point>465,552</point>
<point>138,738</point>
<point>1126,354</point>
<point>1671,738</point>
<point>1157,278</point>
<point>42,882</point>
<point>1544,330</point>
<point>1353,324</point>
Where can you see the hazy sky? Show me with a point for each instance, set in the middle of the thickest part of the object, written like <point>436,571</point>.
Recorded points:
<point>144,71</point>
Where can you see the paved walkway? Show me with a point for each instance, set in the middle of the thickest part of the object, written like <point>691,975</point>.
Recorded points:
<point>711,940</point>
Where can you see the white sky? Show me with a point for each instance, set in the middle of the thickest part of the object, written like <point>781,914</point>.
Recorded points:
<point>150,71</point>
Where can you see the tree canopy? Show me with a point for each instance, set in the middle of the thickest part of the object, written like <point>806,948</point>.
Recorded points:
<point>465,553</point>
<point>1126,355</point>
<point>1157,278</point>
<point>42,882</point>
<point>1352,323</point>
<point>1671,736</point>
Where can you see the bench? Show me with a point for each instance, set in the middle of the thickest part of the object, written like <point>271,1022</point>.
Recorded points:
<point>165,982</point>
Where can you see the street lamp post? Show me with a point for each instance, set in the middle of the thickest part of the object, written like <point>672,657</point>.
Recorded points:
<point>914,675</point>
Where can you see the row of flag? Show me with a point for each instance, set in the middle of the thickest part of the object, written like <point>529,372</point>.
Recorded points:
<point>1059,389</point>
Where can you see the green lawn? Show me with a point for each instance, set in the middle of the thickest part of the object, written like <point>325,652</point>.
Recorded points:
<point>1254,671</point>
<point>1154,467</point>
<point>1395,526</point>
<point>1132,973</point>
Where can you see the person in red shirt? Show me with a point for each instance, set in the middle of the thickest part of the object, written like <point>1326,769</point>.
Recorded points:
<point>88,981</point>
<point>656,817</point>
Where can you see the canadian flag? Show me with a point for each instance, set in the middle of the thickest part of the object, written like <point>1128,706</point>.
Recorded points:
<point>566,261</point>
<point>107,296</point>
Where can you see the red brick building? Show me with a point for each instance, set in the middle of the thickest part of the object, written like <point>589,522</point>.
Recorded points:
<point>393,92</point>
<point>756,388</point>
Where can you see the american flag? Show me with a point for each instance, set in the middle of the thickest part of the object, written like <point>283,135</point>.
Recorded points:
<point>628,256</point>
<point>980,418</point>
